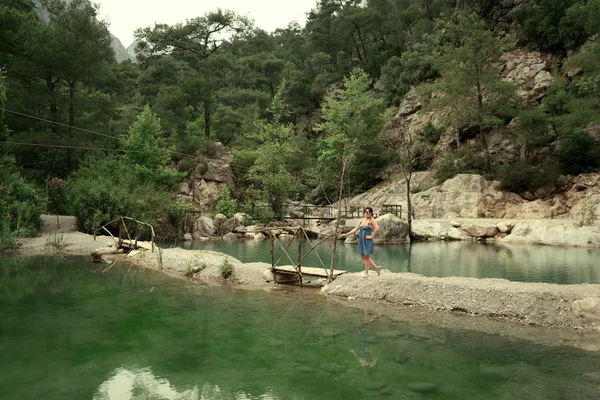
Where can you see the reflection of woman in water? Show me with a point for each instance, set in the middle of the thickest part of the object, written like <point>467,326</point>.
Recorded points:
<point>364,355</point>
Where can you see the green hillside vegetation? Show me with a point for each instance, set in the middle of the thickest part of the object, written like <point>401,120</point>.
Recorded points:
<point>300,107</point>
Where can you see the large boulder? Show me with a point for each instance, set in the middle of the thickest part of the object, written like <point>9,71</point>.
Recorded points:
<point>588,309</point>
<point>392,230</point>
<point>465,196</point>
<point>203,227</point>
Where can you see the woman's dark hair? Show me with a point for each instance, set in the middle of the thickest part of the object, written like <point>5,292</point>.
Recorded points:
<point>368,208</point>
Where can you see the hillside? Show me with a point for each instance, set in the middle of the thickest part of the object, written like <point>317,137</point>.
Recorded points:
<point>506,91</point>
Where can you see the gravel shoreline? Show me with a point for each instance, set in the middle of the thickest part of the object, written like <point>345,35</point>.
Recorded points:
<point>570,312</point>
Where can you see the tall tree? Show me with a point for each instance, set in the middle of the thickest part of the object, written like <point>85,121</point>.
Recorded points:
<point>72,48</point>
<point>470,88</point>
<point>351,118</point>
<point>199,38</point>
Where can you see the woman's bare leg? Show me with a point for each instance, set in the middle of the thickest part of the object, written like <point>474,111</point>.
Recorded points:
<point>367,262</point>
<point>371,263</point>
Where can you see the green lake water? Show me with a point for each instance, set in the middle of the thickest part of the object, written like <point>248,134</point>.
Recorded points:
<point>524,263</point>
<point>68,330</point>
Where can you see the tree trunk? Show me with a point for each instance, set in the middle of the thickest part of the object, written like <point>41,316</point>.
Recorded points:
<point>356,46</point>
<point>337,222</point>
<point>207,120</point>
<point>362,42</point>
<point>69,154</point>
<point>50,84</point>
<point>408,204</point>
<point>482,138</point>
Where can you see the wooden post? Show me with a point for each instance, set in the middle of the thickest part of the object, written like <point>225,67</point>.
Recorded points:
<point>272,256</point>
<point>300,230</point>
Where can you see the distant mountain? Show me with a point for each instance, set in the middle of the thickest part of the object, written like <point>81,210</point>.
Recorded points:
<point>131,51</point>
<point>121,54</point>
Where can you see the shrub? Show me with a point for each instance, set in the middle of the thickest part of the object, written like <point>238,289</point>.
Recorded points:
<point>104,189</point>
<point>224,205</point>
<point>430,134</point>
<point>20,205</point>
<point>58,197</point>
<point>522,177</point>
<point>226,268</point>
<point>579,151</point>
<point>195,265</point>
<point>466,160</point>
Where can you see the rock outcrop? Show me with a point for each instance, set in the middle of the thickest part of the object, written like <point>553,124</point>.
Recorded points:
<point>471,196</point>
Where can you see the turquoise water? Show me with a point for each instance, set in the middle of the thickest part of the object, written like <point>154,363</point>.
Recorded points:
<point>523,263</point>
<point>70,331</point>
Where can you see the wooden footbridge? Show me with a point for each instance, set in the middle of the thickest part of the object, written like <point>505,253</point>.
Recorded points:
<point>295,272</point>
<point>329,213</point>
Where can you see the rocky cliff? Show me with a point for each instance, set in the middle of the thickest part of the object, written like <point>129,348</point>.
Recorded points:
<point>471,196</point>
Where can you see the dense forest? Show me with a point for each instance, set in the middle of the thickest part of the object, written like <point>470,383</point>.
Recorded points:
<point>302,109</point>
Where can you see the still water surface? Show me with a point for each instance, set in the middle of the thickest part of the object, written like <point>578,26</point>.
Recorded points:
<point>524,263</point>
<point>70,331</point>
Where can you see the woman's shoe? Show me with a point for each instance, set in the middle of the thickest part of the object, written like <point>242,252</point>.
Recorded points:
<point>378,271</point>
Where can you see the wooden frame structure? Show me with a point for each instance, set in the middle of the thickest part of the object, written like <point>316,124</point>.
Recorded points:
<point>128,243</point>
<point>296,267</point>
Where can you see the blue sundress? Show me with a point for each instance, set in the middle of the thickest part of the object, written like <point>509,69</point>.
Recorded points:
<point>365,246</point>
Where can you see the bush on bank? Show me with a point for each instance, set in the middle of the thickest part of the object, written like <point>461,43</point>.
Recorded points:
<point>21,205</point>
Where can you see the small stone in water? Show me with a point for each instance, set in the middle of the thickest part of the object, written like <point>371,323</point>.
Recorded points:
<point>422,387</point>
<point>375,385</point>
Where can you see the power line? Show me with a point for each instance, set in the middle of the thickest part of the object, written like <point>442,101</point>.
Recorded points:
<point>60,146</point>
<point>58,123</point>
<point>183,155</point>
<point>80,129</point>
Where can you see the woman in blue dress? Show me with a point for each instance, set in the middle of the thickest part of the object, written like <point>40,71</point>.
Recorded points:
<point>367,228</point>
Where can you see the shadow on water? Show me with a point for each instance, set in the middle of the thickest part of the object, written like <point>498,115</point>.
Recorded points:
<point>71,331</point>
<point>523,263</point>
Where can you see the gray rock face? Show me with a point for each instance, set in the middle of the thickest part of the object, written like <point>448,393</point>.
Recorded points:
<point>529,71</point>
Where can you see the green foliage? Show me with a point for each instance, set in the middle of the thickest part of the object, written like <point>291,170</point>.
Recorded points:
<point>104,188</point>
<point>146,152</point>
<point>224,205</point>
<point>466,160</point>
<point>522,177</point>
<point>579,152</point>
<point>195,265</point>
<point>470,88</point>
<point>3,127</point>
<point>352,118</point>
<point>226,268</point>
<point>57,197</point>
<point>21,205</point>
<point>553,25</point>
<point>416,65</point>
<point>430,134</point>
<point>269,173</point>
<point>556,102</point>
<point>55,240</point>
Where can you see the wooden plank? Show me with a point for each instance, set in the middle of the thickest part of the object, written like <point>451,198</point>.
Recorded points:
<point>310,271</point>
<point>140,244</point>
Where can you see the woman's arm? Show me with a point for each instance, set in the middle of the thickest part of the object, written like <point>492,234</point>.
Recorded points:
<point>352,231</point>
<point>375,230</point>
